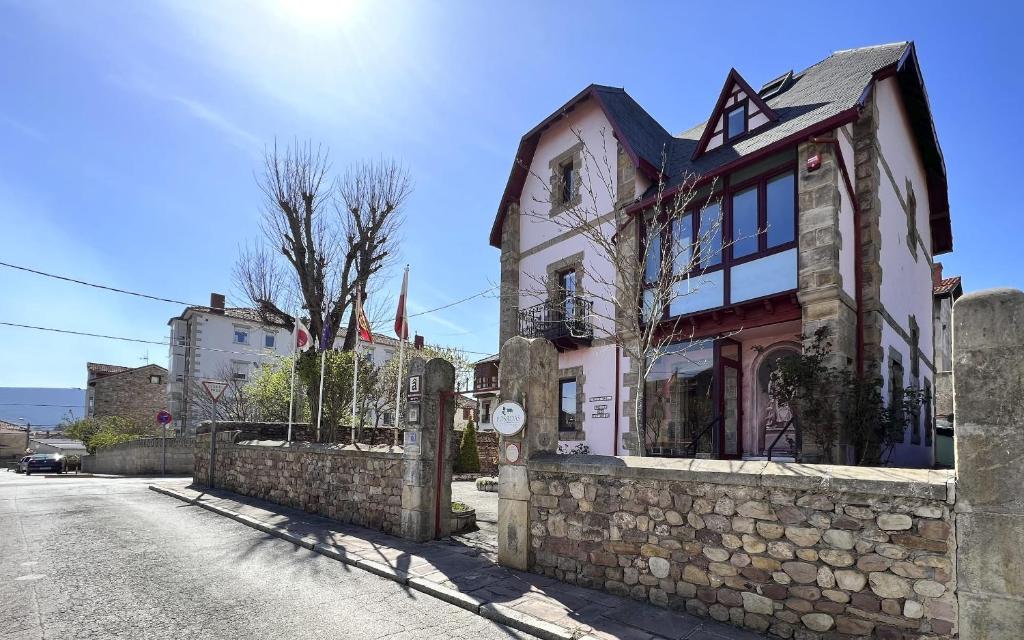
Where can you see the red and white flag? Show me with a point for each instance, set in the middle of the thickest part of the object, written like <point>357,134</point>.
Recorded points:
<point>365,334</point>
<point>301,338</point>
<point>402,315</point>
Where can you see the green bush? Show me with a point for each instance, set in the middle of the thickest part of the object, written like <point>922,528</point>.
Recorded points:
<point>468,460</point>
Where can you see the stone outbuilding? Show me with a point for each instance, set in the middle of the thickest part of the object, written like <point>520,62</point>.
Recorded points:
<point>136,393</point>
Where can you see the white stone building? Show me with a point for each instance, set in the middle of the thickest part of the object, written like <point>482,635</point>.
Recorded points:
<point>831,189</point>
<point>216,343</point>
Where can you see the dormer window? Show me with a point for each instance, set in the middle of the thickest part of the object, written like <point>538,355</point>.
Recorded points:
<point>736,121</point>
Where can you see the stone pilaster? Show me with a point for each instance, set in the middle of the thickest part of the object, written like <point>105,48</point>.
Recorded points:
<point>823,301</point>
<point>429,445</point>
<point>867,179</point>
<point>508,321</point>
<point>820,283</point>
<point>988,384</point>
<point>528,374</point>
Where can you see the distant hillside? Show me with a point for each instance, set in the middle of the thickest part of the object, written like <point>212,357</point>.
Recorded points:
<point>43,407</point>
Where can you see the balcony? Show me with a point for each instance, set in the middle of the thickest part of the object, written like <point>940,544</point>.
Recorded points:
<point>565,322</point>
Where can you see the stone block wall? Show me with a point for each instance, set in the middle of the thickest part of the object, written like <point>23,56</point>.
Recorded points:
<point>142,457</point>
<point>791,550</point>
<point>131,394</point>
<point>487,450</point>
<point>361,486</point>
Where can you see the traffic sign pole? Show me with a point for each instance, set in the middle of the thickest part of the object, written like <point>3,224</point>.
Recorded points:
<point>164,417</point>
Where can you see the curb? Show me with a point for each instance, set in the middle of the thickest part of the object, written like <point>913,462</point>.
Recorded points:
<point>494,612</point>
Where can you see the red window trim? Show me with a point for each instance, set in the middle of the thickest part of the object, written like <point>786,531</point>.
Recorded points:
<point>725,258</point>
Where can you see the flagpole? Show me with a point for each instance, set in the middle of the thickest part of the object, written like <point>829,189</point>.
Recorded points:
<point>320,405</point>
<point>291,397</point>
<point>355,364</point>
<point>404,323</point>
<point>398,387</point>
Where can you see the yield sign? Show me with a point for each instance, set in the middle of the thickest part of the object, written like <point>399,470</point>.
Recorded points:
<point>214,389</point>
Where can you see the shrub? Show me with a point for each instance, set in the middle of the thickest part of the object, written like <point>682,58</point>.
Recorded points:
<point>468,460</point>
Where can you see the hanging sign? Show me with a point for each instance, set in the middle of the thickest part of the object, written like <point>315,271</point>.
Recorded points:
<point>508,418</point>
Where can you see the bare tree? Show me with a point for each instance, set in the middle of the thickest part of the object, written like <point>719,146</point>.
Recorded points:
<point>334,235</point>
<point>235,403</point>
<point>637,266</point>
<point>324,240</point>
<point>370,203</point>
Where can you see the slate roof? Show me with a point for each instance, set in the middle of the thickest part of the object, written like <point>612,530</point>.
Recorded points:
<point>947,286</point>
<point>815,94</point>
<point>816,98</point>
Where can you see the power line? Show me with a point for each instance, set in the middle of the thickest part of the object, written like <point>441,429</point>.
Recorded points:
<point>27,404</point>
<point>98,286</point>
<point>452,304</point>
<point>137,340</point>
<point>173,301</point>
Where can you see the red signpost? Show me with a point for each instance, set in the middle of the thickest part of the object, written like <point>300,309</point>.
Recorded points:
<point>164,417</point>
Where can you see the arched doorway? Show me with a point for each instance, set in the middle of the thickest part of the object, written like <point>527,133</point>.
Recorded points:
<point>770,417</point>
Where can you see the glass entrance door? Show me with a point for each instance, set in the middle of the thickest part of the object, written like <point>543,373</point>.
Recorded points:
<point>730,397</point>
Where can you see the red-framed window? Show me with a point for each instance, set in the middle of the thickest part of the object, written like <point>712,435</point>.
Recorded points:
<point>735,120</point>
<point>758,219</point>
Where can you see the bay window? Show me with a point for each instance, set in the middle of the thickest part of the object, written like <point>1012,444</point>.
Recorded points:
<point>757,216</point>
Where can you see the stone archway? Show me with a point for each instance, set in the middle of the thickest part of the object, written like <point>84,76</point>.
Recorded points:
<point>769,418</point>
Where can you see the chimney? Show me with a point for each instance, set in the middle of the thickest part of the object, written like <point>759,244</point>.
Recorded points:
<point>217,302</point>
<point>936,274</point>
<point>417,341</point>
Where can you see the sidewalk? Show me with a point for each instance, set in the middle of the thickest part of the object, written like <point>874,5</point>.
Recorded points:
<point>466,576</point>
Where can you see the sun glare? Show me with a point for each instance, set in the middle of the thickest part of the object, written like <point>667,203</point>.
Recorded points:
<point>316,13</point>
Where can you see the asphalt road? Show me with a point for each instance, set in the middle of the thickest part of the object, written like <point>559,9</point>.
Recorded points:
<point>107,558</point>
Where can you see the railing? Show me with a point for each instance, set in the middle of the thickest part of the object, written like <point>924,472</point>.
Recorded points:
<point>793,441</point>
<point>558,319</point>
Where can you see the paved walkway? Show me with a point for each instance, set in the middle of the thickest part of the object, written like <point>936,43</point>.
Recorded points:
<point>486,505</point>
<point>467,576</point>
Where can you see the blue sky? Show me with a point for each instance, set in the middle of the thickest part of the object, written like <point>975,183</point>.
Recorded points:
<point>132,131</point>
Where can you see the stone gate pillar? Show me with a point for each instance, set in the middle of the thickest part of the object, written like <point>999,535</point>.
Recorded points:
<point>429,444</point>
<point>527,374</point>
<point>988,398</point>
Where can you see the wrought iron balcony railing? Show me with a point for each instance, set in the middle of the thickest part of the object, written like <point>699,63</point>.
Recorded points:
<point>567,320</point>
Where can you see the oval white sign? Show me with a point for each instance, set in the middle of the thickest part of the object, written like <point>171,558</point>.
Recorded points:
<point>508,418</point>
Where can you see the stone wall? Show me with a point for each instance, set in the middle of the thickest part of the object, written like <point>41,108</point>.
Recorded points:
<point>487,450</point>
<point>793,550</point>
<point>361,486</point>
<point>131,394</point>
<point>142,457</point>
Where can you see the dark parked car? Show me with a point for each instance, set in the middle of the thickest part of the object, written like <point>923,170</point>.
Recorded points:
<point>45,462</point>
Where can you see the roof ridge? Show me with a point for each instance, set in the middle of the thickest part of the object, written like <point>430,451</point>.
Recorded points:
<point>872,46</point>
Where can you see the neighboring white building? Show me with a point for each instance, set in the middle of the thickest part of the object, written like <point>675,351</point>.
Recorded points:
<point>213,343</point>
<point>831,187</point>
<point>216,342</point>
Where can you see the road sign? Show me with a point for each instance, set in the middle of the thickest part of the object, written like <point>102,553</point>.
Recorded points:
<point>508,418</point>
<point>214,389</point>
<point>164,417</point>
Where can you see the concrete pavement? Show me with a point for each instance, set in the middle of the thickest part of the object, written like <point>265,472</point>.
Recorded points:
<point>106,558</point>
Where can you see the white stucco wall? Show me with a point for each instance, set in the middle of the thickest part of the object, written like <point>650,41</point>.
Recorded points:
<point>599,374</point>
<point>537,227</point>
<point>906,287</point>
